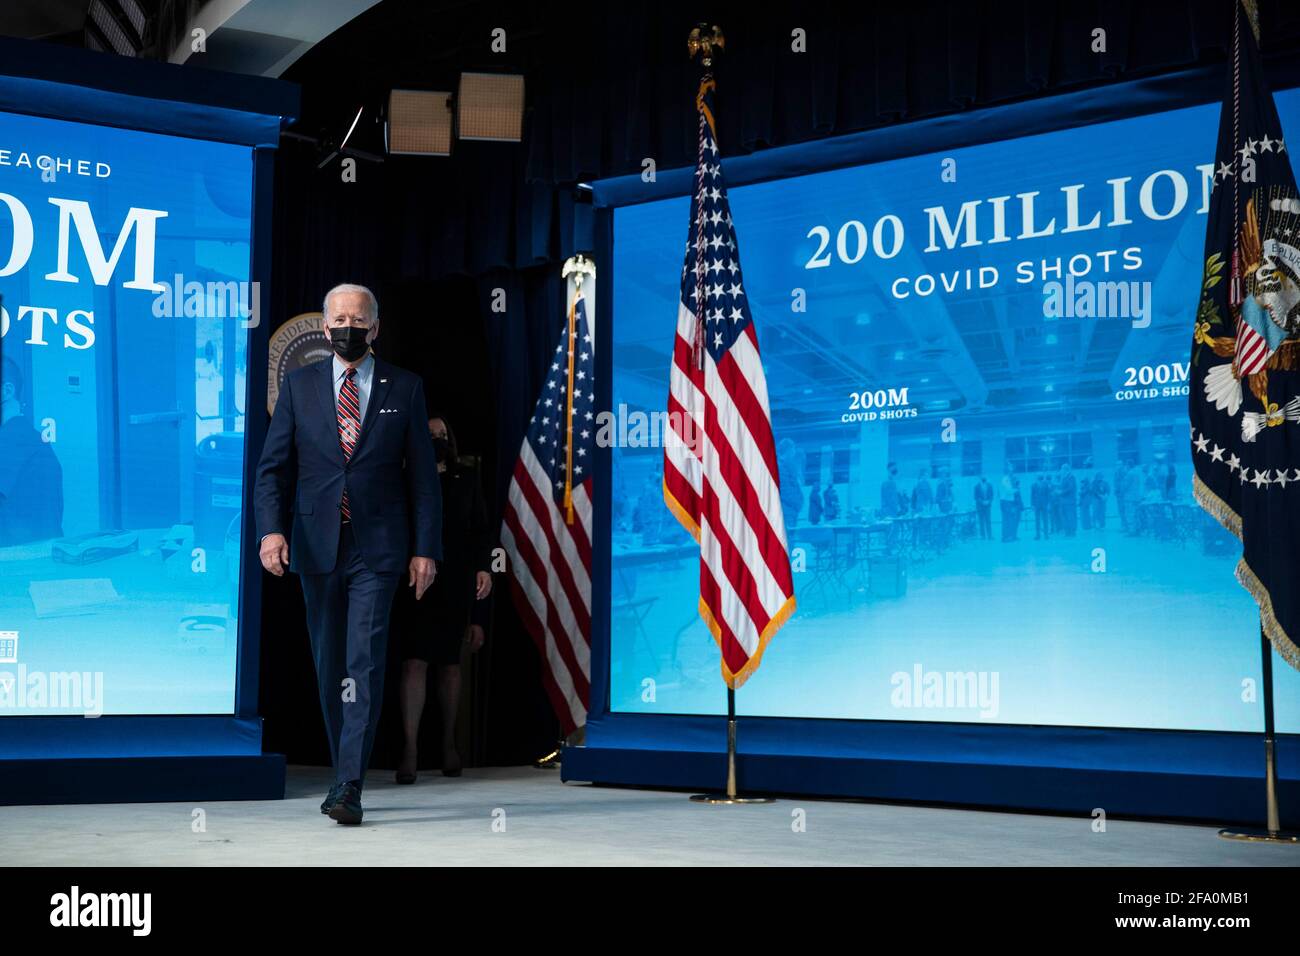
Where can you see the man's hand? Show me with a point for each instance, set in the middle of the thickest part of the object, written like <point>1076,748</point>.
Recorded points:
<point>482,585</point>
<point>474,637</point>
<point>275,554</point>
<point>422,574</point>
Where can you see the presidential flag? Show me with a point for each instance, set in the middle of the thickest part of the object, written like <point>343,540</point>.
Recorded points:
<point>546,529</point>
<point>1245,384</point>
<point>720,471</point>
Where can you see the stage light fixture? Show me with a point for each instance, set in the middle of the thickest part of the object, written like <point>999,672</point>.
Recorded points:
<point>419,123</point>
<point>490,106</point>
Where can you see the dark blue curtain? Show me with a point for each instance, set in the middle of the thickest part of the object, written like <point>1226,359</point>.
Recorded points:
<point>615,88</point>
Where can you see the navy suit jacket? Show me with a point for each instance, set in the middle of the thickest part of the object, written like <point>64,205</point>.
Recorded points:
<point>394,495</point>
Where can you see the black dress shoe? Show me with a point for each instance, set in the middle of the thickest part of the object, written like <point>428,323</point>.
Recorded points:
<point>347,808</point>
<point>331,798</point>
<point>404,777</point>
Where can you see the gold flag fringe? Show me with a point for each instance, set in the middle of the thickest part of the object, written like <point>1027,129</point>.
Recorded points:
<point>1216,506</point>
<point>1282,642</point>
<point>1246,576</point>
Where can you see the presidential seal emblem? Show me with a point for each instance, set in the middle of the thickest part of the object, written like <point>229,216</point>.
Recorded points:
<point>300,341</point>
<point>1264,302</point>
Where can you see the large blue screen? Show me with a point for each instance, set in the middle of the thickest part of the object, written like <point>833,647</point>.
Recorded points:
<point>977,369</point>
<point>124,267</point>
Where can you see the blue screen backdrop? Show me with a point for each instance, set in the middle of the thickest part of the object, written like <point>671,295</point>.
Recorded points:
<point>127,306</point>
<point>1092,591</point>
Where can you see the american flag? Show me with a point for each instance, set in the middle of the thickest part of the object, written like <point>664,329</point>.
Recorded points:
<point>546,529</point>
<point>720,472</point>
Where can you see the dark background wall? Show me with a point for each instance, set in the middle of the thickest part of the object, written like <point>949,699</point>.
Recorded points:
<point>608,87</point>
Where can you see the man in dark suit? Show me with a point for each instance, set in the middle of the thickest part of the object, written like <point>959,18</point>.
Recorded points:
<point>348,497</point>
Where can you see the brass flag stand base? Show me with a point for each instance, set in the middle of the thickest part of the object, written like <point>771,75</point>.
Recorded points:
<point>1272,832</point>
<point>555,758</point>
<point>730,796</point>
<point>550,761</point>
<point>1261,836</point>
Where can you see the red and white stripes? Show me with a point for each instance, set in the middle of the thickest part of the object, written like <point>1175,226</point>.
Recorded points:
<point>550,564</point>
<point>721,481</point>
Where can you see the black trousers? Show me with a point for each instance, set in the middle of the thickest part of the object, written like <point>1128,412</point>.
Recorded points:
<point>347,618</point>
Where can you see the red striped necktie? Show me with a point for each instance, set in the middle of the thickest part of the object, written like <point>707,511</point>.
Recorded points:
<point>349,426</point>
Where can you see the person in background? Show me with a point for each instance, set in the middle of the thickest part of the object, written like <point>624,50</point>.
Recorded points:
<point>890,500</point>
<point>1011,502</point>
<point>1069,491</point>
<point>1132,497</point>
<point>815,505</point>
<point>31,478</point>
<point>1085,496</point>
<point>984,507</point>
<point>1055,508</point>
<point>648,515</point>
<point>943,494</point>
<point>453,613</point>
<point>789,466</point>
<point>1099,492</point>
<point>1152,490</point>
<point>1121,484</point>
<point>830,503</point>
<point>1040,497</point>
<point>1171,482</point>
<point>922,493</point>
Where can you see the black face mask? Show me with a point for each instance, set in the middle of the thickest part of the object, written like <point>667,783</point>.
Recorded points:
<point>349,342</point>
<point>442,448</point>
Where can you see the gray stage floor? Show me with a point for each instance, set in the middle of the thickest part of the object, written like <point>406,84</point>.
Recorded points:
<point>542,821</point>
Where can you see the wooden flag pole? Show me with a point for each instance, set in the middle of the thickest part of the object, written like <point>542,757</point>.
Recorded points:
<point>1272,831</point>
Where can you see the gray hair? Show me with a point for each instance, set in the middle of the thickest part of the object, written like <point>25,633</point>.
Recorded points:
<point>371,302</point>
